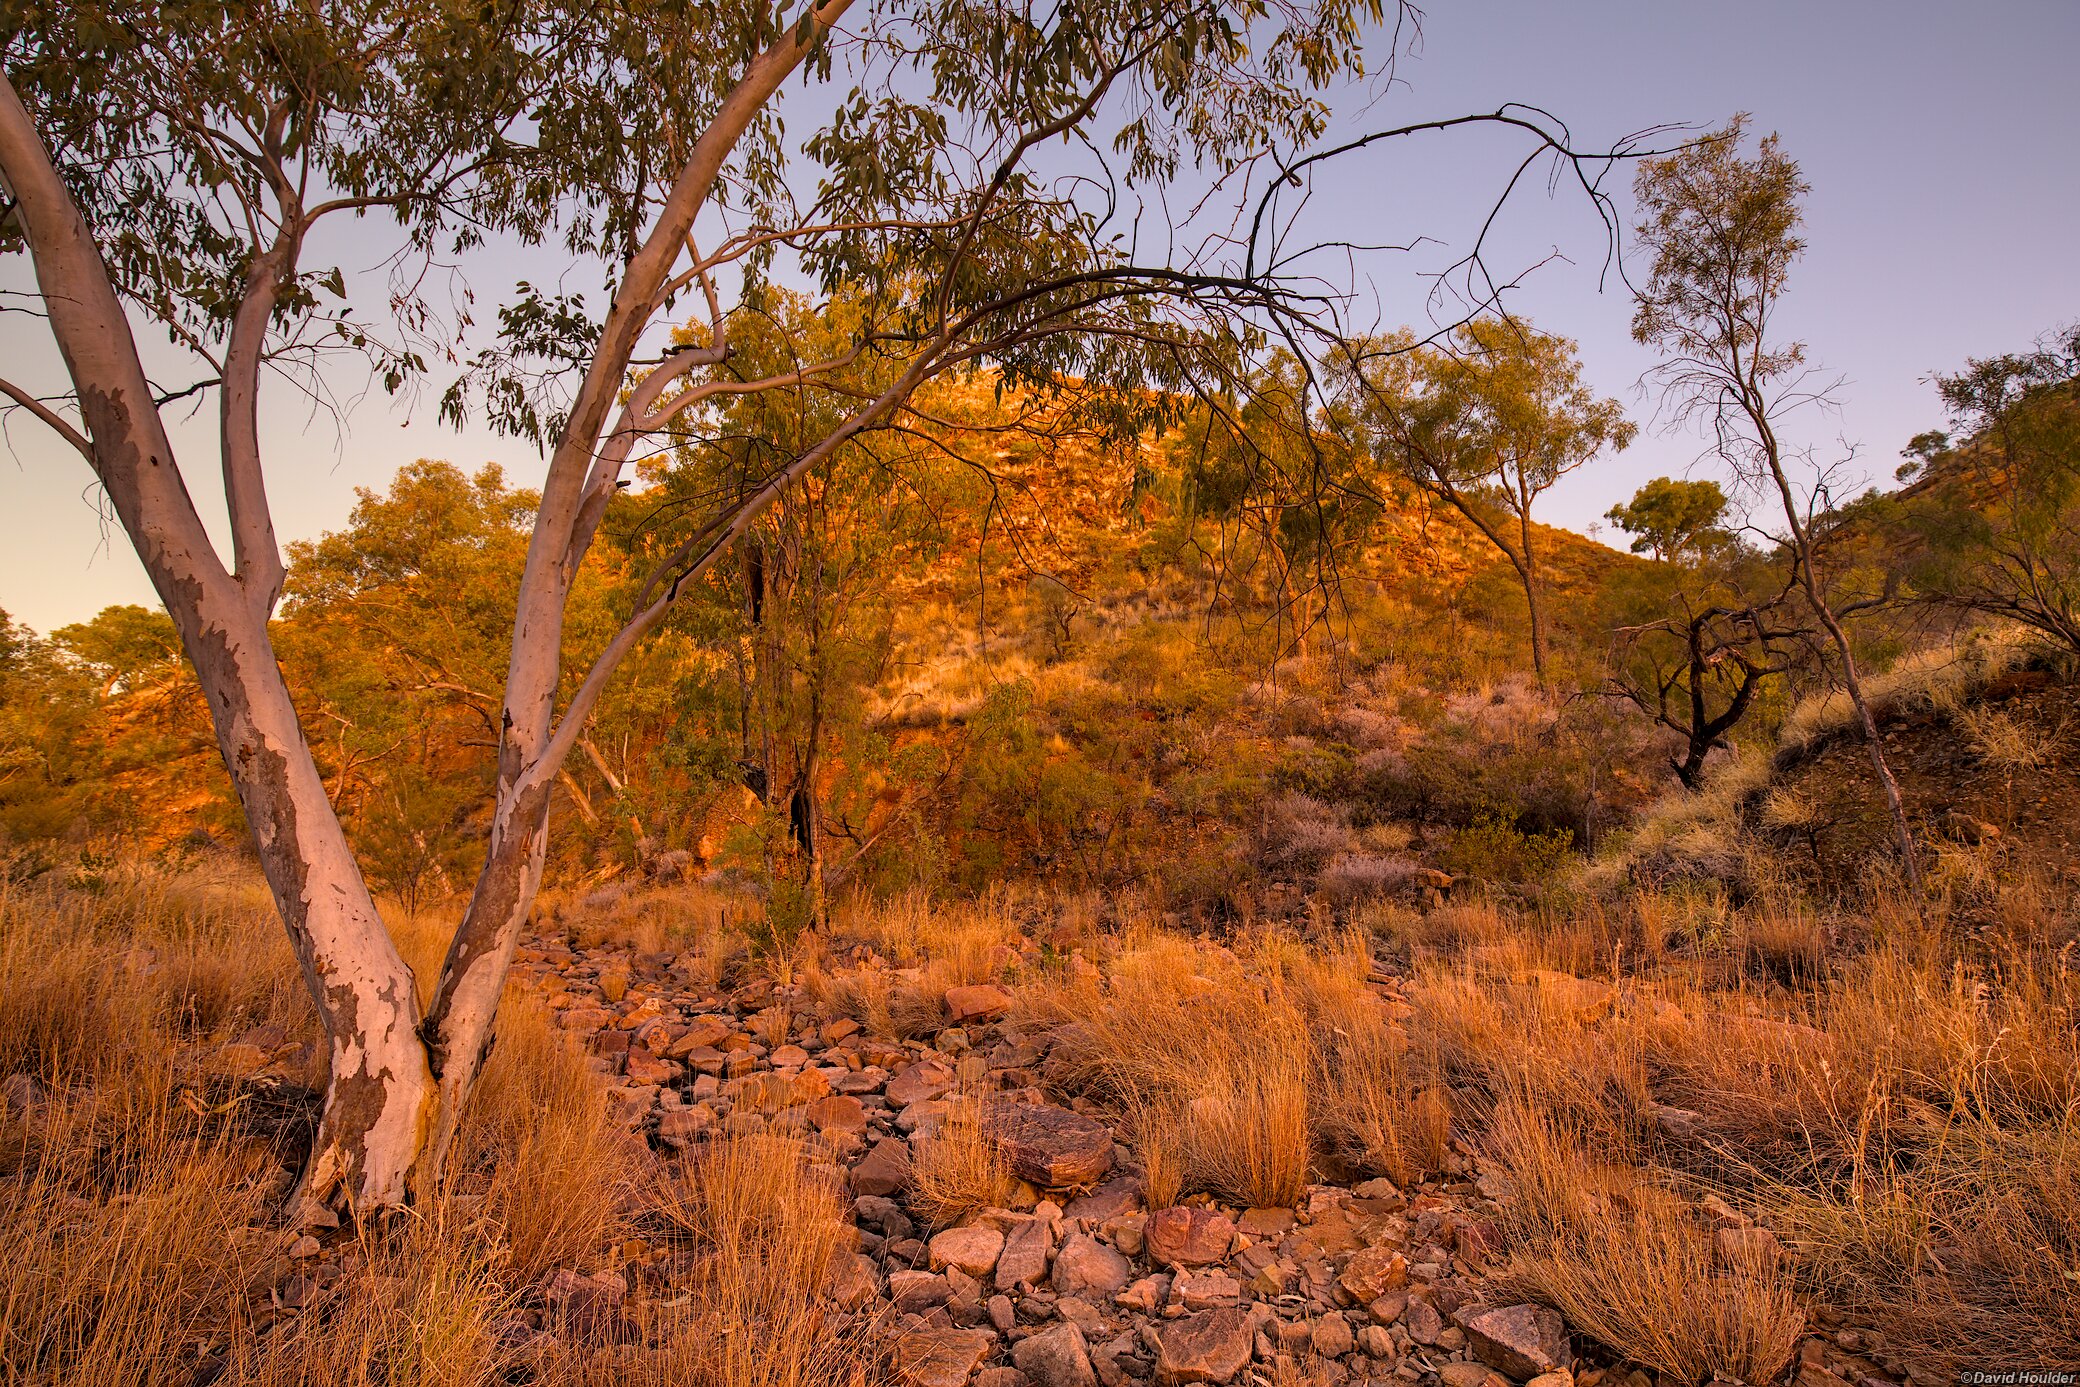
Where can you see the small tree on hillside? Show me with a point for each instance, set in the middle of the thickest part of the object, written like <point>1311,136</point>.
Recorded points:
<point>1487,426</point>
<point>1673,520</point>
<point>1722,225</point>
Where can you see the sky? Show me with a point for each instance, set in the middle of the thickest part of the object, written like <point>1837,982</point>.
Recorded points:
<point>1939,140</point>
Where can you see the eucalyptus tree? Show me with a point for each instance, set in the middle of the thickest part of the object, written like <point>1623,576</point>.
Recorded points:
<point>1486,422</point>
<point>980,168</point>
<point>1722,227</point>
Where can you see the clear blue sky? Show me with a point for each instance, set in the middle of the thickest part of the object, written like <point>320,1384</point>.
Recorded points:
<point>1939,139</point>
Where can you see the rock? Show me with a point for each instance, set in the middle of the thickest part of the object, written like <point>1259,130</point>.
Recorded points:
<point>1189,1237</point>
<point>1559,1377</point>
<point>702,1033</point>
<point>883,1170</point>
<point>1024,1259</point>
<point>1055,1357</point>
<point>939,1357</point>
<point>1331,1336</point>
<point>982,1001</point>
<point>1465,1374</point>
<point>1086,1267</point>
<point>630,1104</point>
<point>1375,1342</point>
<point>1117,1196</point>
<point>1000,1377</point>
<point>854,1280</point>
<point>1144,1295</point>
<point>645,1068</point>
<point>917,1291</point>
<point>1520,1340</point>
<point>1050,1146</point>
<point>613,984</point>
<point>585,1305</point>
<point>838,1112</point>
<point>1374,1271</point>
<point>1422,1321</point>
<point>1263,1224</point>
<point>1212,1346</point>
<point>1202,1290</point>
<point>921,1082</point>
<point>973,1249</point>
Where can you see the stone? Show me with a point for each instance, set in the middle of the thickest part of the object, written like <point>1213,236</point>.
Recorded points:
<point>1181,1236</point>
<point>613,984</point>
<point>925,1080</point>
<point>1086,1267</point>
<point>939,1357</point>
<point>645,1068</point>
<point>1422,1321</point>
<point>838,1112</point>
<point>972,1248</point>
<point>1519,1340</point>
<point>1465,1374</point>
<point>703,1033</point>
<point>1263,1224</point>
<point>917,1291</point>
<point>630,1104</point>
<point>1559,1377</point>
<point>1057,1356</point>
<point>1024,1259</point>
<point>1331,1336</point>
<point>1111,1200</point>
<point>1204,1289</point>
<point>1003,1314</point>
<point>854,1280</point>
<point>1212,1346</point>
<point>1050,1146</point>
<point>982,1001</point>
<point>1144,1295</point>
<point>883,1170</point>
<point>585,1305</point>
<point>1375,1342</point>
<point>1374,1271</point>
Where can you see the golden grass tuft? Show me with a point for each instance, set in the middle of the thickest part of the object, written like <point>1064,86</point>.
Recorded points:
<point>958,1170</point>
<point>1624,1262</point>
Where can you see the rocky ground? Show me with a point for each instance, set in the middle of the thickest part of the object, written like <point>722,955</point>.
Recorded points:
<point>1077,1282</point>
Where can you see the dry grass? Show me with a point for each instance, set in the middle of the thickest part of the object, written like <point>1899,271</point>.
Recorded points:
<point>765,1227</point>
<point>916,948</point>
<point>958,1170</point>
<point>1623,1260</point>
<point>137,1199</point>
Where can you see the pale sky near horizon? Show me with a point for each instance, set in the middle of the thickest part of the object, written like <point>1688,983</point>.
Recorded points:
<point>1939,140</point>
